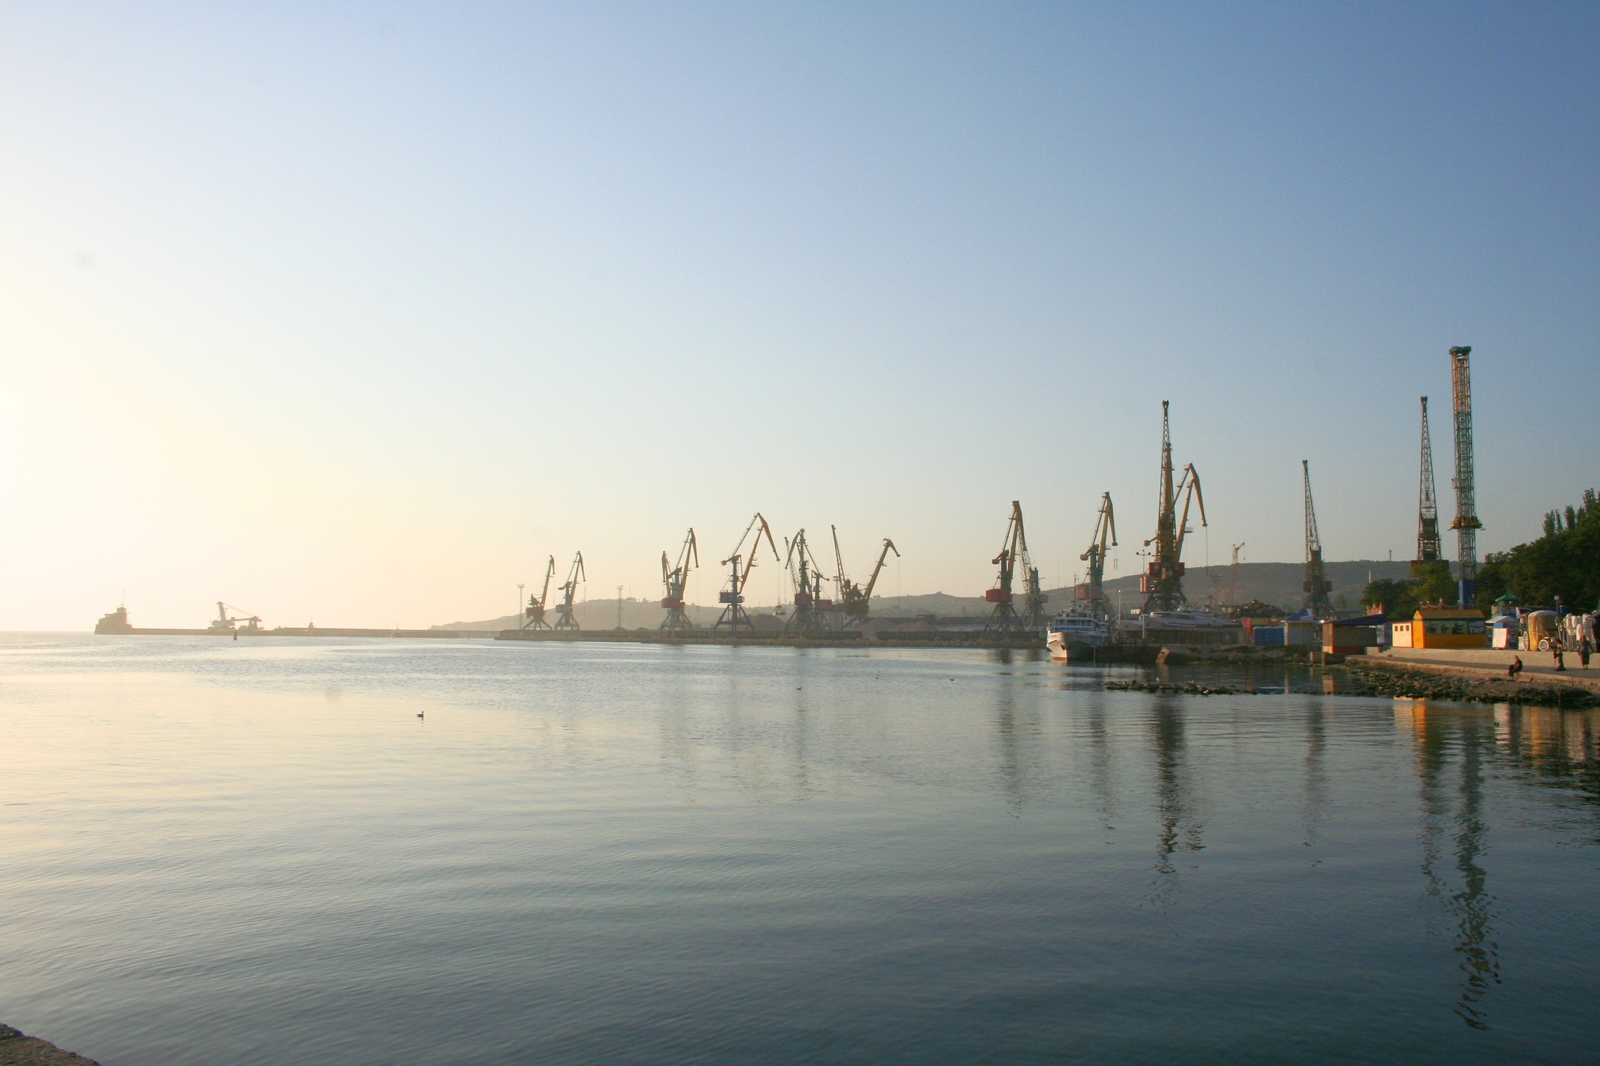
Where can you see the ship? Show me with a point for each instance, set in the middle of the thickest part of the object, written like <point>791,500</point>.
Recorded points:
<point>223,624</point>
<point>115,622</point>
<point>1189,626</point>
<point>1074,635</point>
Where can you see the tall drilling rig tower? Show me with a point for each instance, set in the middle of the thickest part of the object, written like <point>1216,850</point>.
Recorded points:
<point>1162,581</point>
<point>1317,586</point>
<point>1428,549</point>
<point>1466,522</point>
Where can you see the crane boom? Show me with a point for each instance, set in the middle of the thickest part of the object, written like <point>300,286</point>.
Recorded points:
<point>569,589</point>
<point>549,572</point>
<point>1189,489</point>
<point>759,524</point>
<point>872,583</point>
<point>1428,545</point>
<point>1105,528</point>
<point>1316,584</point>
<point>838,558</point>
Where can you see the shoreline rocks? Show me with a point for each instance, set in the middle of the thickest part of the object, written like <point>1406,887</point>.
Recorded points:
<point>19,1049</point>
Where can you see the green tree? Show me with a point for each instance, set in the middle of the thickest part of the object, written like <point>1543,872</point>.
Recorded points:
<point>1431,584</point>
<point>1395,597</point>
<point>1564,563</point>
<point>1434,584</point>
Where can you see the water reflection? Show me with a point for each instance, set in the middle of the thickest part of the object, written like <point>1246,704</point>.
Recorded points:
<point>1557,748</point>
<point>1178,831</point>
<point>1470,905</point>
<point>1023,770</point>
<point>1316,787</point>
<point>1105,803</point>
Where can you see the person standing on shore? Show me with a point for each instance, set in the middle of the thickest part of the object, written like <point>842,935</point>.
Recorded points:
<point>1556,650</point>
<point>1584,650</point>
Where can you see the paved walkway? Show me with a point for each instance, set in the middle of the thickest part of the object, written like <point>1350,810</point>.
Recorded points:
<point>1538,667</point>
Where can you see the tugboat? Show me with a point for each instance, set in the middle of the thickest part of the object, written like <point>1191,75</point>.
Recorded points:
<point>115,622</point>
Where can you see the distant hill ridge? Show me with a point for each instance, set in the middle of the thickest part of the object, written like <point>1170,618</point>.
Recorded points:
<point>1276,583</point>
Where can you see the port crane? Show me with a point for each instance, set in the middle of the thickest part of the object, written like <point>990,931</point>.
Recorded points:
<point>811,608</point>
<point>673,578</point>
<point>222,621</point>
<point>1033,596</point>
<point>1105,526</point>
<point>569,588</point>
<point>856,600</point>
<point>1162,581</point>
<point>533,615</point>
<point>1465,523</point>
<point>1316,585</point>
<point>1004,620</point>
<point>733,613</point>
<point>1428,546</point>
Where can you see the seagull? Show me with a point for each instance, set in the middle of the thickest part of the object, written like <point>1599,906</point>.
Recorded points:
<point>419,714</point>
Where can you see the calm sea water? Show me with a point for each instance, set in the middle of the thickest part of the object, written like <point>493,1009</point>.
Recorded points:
<point>273,851</point>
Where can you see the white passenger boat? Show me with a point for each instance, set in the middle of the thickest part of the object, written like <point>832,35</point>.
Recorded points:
<point>1188,620</point>
<point>1188,627</point>
<point>1066,630</point>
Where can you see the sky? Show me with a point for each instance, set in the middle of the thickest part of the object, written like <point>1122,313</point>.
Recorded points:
<point>358,313</point>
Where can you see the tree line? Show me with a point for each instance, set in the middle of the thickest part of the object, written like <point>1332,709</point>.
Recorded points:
<point>1564,563</point>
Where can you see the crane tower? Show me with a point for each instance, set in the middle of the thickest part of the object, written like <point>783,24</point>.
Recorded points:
<point>1162,581</point>
<point>1105,526</point>
<point>1466,522</point>
<point>569,588</point>
<point>673,579</point>
<point>1317,586</point>
<point>533,614</point>
<point>811,608</point>
<point>856,600</point>
<point>1004,620</point>
<point>1233,577</point>
<point>1428,550</point>
<point>733,613</point>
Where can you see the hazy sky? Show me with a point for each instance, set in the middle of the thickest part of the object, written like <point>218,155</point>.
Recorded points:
<point>358,312</point>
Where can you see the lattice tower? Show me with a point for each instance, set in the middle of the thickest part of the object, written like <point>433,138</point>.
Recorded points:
<point>1428,546</point>
<point>1466,522</point>
<point>1317,586</point>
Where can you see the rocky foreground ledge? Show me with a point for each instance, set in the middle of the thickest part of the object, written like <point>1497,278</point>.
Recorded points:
<point>17,1049</point>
